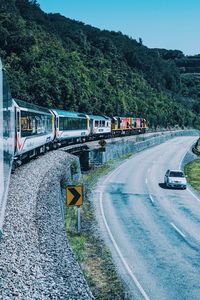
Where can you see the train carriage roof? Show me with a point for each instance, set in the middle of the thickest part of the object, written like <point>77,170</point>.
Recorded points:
<point>63,113</point>
<point>99,118</point>
<point>31,106</point>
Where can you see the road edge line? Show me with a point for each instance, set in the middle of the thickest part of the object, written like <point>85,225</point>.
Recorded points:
<point>138,285</point>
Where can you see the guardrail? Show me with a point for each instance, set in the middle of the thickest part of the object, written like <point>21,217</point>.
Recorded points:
<point>195,149</point>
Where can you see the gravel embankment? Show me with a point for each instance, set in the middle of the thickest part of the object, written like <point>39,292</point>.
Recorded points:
<point>36,261</point>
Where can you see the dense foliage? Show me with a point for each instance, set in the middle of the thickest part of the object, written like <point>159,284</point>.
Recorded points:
<point>57,62</point>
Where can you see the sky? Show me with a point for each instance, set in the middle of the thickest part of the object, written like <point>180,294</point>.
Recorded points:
<point>169,24</point>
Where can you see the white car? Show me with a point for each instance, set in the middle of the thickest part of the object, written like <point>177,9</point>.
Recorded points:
<point>175,179</point>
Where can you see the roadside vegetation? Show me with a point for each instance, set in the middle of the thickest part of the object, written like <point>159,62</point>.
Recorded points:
<point>192,170</point>
<point>89,248</point>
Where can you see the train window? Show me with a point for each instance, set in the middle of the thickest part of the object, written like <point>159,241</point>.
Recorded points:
<point>96,124</point>
<point>6,109</point>
<point>67,123</point>
<point>103,124</point>
<point>41,124</point>
<point>61,123</point>
<point>72,123</point>
<point>26,124</point>
<point>49,123</point>
<point>33,123</point>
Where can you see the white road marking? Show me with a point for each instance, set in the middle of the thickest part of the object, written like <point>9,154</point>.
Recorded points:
<point>180,164</point>
<point>151,198</point>
<point>177,230</point>
<point>196,197</point>
<point>140,288</point>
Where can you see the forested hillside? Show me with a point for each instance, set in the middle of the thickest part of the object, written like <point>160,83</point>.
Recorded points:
<point>57,62</point>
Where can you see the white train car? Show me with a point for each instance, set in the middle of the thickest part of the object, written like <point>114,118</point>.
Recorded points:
<point>7,140</point>
<point>71,126</point>
<point>35,130</point>
<point>100,126</point>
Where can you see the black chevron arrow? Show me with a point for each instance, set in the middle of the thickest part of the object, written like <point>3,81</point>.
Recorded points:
<point>76,196</point>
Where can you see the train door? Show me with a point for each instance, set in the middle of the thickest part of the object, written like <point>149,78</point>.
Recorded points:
<point>91,126</point>
<point>57,126</point>
<point>53,128</point>
<point>18,144</point>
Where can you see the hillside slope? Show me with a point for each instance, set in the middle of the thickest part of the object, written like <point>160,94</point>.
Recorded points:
<point>57,62</point>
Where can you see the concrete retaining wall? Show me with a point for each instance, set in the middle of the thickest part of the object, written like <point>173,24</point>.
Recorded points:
<point>116,148</point>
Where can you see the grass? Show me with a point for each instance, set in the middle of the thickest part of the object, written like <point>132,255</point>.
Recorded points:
<point>91,252</point>
<point>192,170</point>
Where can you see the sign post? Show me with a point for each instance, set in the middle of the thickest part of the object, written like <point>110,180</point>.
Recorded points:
<point>79,218</point>
<point>102,143</point>
<point>74,197</point>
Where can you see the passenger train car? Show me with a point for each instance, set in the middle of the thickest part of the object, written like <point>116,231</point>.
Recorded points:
<point>70,127</point>
<point>100,126</point>
<point>34,129</point>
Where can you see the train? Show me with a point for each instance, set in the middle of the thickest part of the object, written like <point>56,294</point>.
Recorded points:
<point>27,130</point>
<point>40,129</point>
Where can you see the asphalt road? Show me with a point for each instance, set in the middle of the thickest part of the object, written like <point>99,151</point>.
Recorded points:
<point>154,231</point>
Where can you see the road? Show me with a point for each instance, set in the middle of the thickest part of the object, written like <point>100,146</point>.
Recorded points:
<point>153,231</point>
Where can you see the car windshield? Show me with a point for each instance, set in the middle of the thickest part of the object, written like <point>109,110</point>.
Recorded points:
<point>176,174</point>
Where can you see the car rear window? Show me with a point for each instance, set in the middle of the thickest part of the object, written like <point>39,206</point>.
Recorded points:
<point>176,174</point>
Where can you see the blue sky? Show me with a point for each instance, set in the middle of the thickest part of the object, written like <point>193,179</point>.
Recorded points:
<point>160,23</point>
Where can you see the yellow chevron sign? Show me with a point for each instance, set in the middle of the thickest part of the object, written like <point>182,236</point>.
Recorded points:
<point>74,195</point>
